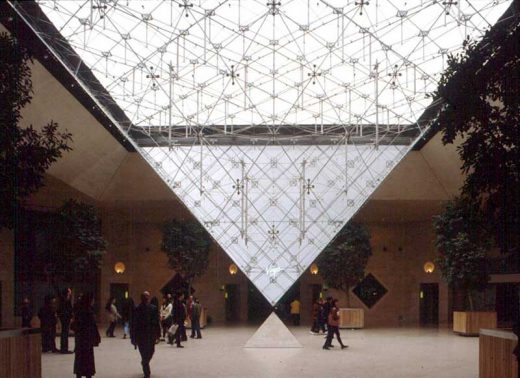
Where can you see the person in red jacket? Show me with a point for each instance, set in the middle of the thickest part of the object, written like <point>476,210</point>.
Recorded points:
<point>333,326</point>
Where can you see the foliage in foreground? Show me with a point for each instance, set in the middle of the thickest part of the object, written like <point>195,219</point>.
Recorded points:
<point>480,106</point>
<point>25,153</point>
<point>463,240</point>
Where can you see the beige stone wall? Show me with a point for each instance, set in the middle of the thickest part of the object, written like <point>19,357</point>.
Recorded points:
<point>137,245</point>
<point>399,269</point>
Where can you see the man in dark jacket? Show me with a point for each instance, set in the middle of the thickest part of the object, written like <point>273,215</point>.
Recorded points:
<point>47,315</point>
<point>327,307</point>
<point>145,328</point>
<point>179,316</point>
<point>195,319</point>
<point>65,315</point>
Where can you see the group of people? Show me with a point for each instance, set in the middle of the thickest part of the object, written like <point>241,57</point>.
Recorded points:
<point>80,318</point>
<point>173,314</point>
<point>52,310</point>
<point>142,323</point>
<point>325,318</point>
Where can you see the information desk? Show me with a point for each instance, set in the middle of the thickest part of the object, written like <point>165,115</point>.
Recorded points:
<point>20,353</point>
<point>496,357</point>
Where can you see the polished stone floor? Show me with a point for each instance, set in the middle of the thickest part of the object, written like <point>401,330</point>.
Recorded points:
<point>402,352</point>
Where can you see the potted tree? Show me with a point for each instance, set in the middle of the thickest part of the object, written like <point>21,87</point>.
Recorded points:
<point>78,245</point>
<point>342,265</point>
<point>462,241</point>
<point>186,244</point>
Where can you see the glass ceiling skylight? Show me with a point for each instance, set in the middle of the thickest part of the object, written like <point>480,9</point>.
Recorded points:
<point>251,62</point>
<point>273,121</point>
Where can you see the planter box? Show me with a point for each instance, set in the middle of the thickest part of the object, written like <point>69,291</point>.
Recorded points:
<point>351,318</point>
<point>469,323</point>
<point>496,357</point>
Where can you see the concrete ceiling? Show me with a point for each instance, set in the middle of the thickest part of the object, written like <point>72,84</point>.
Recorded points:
<point>95,155</point>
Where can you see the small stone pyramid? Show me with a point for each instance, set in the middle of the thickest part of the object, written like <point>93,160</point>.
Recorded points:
<point>273,334</point>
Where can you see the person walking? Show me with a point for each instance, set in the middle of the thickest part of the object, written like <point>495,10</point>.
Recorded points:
<point>145,327</point>
<point>327,306</point>
<point>155,302</point>
<point>333,326</point>
<point>322,320</point>
<point>112,315</point>
<point>195,319</point>
<point>48,321</point>
<point>26,313</point>
<point>166,317</point>
<point>126,316</point>
<point>86,336</point>
<point>295,311</point>
<point>179,316</point>
<point>65,315</point>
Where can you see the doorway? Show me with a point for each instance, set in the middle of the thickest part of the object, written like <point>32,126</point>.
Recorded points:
<point>119,291</point>
<point>232,297</point>
<point>258,309</point>
<point>429,304</point>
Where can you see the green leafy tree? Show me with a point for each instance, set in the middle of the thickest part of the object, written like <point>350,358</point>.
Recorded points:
<point>342,263</point>
<point>479,97</point>
<point>186,243</point>
<point>78,245</point>
<point>25,153</point>
<point>462,241</point>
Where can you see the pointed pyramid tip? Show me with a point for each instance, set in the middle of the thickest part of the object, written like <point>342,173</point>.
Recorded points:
<point>273,334</point>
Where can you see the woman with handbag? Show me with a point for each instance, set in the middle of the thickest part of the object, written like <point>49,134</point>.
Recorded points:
<point>333,326</point>
<point>86,336</point>
<point>113,316</point>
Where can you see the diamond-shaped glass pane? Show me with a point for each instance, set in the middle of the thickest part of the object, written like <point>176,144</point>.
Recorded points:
<point>369,290</point>
<point>272,121</point>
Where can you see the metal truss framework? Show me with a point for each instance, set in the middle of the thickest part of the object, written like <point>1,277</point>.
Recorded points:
<point>273,121</point>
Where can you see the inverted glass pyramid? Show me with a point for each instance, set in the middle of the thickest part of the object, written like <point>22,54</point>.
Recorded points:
<point>273,121</point>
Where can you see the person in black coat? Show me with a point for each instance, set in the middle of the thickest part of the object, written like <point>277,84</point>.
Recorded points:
<point>47,315</point>
<point>145,328</point>
<point>126,316</point>
<point>65,315</point>
<point>26,313</point>
<point>86,336</point>
<point>195,319</point>
<point>179,316</point>
<point>155,302</point>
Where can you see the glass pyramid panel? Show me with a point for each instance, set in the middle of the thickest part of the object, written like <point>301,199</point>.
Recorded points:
<point>274,208</point>
<point>273,121</point>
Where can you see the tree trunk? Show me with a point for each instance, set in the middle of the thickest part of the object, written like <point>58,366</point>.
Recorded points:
<point>190,281</point>
<point>470,299</point>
